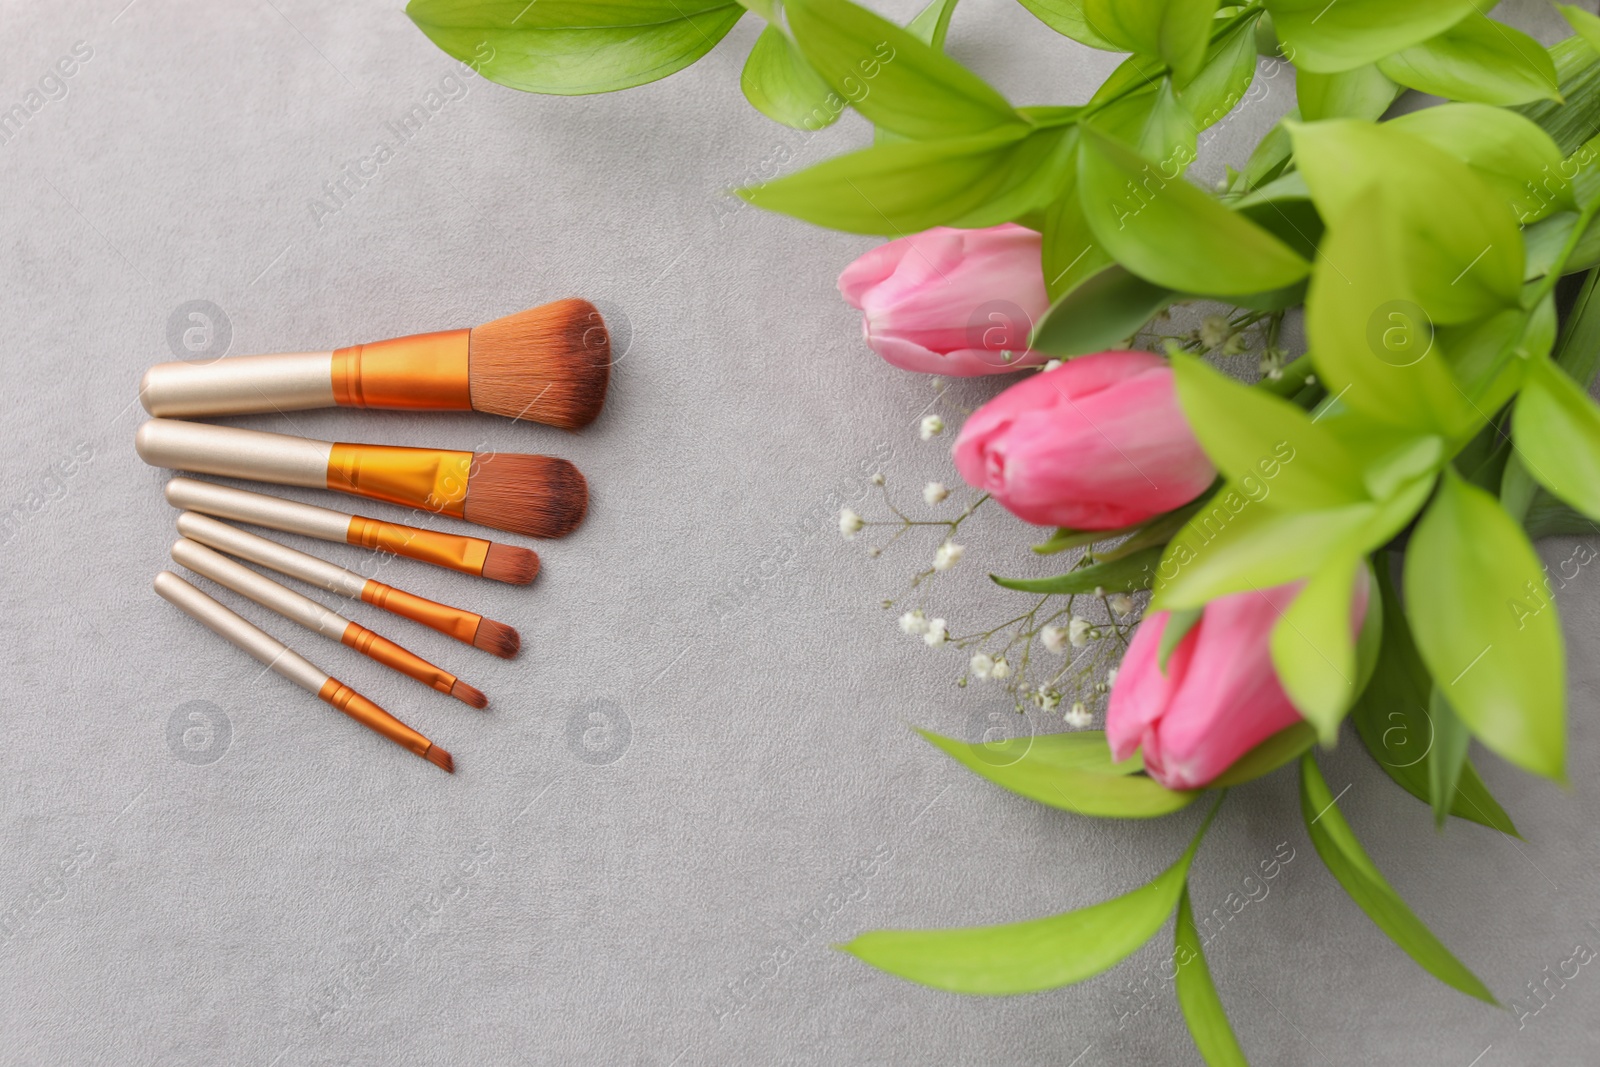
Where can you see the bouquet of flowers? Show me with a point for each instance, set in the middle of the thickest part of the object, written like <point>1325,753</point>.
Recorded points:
<point>1349,536</point>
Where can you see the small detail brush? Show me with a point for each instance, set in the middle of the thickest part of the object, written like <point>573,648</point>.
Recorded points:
<point>465,626</point>
<point>291,665</point>
<point>470,555</point>
<point>540,496</point>
<point>550,364</point>
<point>313,616</point>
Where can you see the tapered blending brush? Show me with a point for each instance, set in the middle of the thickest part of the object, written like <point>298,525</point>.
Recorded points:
<point>470,555</point>
<point>550,364</point>
<point>291,665</point>
<point>540,496</point>
<point>465,626</point>
<point>313,616</point>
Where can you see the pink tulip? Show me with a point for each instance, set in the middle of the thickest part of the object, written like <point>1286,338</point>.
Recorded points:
<point>1219,696</point>
<point>956,302</point>
<point>1099,442</point>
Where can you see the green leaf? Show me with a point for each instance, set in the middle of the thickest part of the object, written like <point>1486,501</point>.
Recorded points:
<point>1451,739</point>
<point>1363,92</point>
<point>1585,23</point>
<point>1487,628</point>
<point>1224,79</point>
<point>1574,119</point>
<point>892,78</point>
<point>1069,254</point>
<point>1066,17</point>
<point>1282,748</point>
<point>1556,428</point>
<point>1348,862</point>
<point>1170,233</point>
<point>1513,156</point>
<point>1066,538</point>
<point>1327,37</point>
<point>574,47</point>
<point>1394,723</point>
<point>1477,59</point>
<point>1125,575</point>
<point>1100,312</point>
<point>781,85</point>
<point>1071,771</point>
<point>932,23</point>
<point>1176,32</point>
<point>1269,157</point>
<point>1197,995</point>
<point>1249,433</point>
<point>1025,957</point>
<point>1314,648</point>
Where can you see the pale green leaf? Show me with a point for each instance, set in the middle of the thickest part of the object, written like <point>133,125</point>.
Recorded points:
<point>1224,79</point>
<point>1197,995</point>
<point>1066,17</point>
<point>1314,646</point>
<point>1176,32</point>
<point>1363,92</point>
<point>781,85</point>
<point>1556,428</point>
<point>932,23</point>
<point>1326,37</point>
<point>1104,309</point>
<point>1069,253</point>
<point>1584,22</point>
<point>1512,155</point>
<point>1477,59</point>
<point>1451,739</point>
<point>1128,574</point>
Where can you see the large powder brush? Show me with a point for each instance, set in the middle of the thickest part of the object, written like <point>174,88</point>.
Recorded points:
<point>549,364</point>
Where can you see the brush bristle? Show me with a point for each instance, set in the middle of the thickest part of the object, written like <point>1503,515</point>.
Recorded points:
<point>540,496</point>
<point>550,364</point>
<point>440,758</point>
<point>469,695</point>
<point>507,563</point>
<point>497,638</point>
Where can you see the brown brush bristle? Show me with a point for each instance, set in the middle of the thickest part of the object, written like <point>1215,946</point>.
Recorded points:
<point>497,638</point>
<point>469,695</point>
<point>440,758</point>
<point>550,364</point>
<point>507,563</point>
<point>540,496</point>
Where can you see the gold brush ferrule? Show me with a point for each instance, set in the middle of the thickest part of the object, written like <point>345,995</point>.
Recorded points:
<point>456,622</point>
<point>423,372</point>
<point>371,716</point>
<point>465,554</point>
<point>428,478</point>
<point>386,652</point>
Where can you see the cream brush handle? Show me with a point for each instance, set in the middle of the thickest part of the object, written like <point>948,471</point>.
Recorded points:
<point>239,632</point>
<point>288,382</point>
<point>281,558</point>
<point>261,589</point>
<point>259,509</point>
<point>234,453</point>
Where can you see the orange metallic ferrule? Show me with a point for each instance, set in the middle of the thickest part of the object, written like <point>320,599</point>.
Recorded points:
<point>465,554</point>
<point>428,478</point>
<point>424,372</point>
<point>372,717</point>
<point>386,652</point>
<point>459,624</point>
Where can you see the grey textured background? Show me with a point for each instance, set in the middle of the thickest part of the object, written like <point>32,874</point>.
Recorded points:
<point>699,774</point>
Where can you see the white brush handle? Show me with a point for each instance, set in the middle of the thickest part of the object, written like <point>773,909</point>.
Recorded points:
<point>259,509</point>
<point>234,453</point>
<point>281,558</point>
<point>290,382</point>
<point>239,632</point>
<point>258,587</point>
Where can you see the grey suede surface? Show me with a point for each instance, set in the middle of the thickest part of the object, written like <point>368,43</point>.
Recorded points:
<point>699,775</point>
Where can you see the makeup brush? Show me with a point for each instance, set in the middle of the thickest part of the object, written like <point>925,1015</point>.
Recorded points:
<point>291,665</point>
<point>470,555</point>
<point>465,626</point>
<point>540,496</point>
<point>313,616</point>
<point>550,364</point>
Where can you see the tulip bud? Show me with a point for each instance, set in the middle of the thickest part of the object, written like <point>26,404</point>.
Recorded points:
<point>1096,444</point>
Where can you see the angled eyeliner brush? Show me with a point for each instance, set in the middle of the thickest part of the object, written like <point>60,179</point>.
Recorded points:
<point>465,626</point>
<point>313,616</point>
<point>469,555</point>
<point>540,496</point>
<point>549,364</point>
<point>284,661</point>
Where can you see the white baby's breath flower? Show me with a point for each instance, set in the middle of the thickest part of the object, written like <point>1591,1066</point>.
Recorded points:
<point>878,479</point>
<point>981,666</point>
<point>948,555</point>
<point>934,493</point>
<point>874,551</point>
<point>1078,716</point>
<point>932,426</point>
<point>849,524</point>
<point>1054,638</point>
<point>1051,364</point>
<point>1111,677</point>
<point>914,623</point>
<point>1001,670</point>
<point>1078,631</point>
<point>1122,604</point>
<point>1214,330</point>
<point>1047,698</point>
<point>937,634</point>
